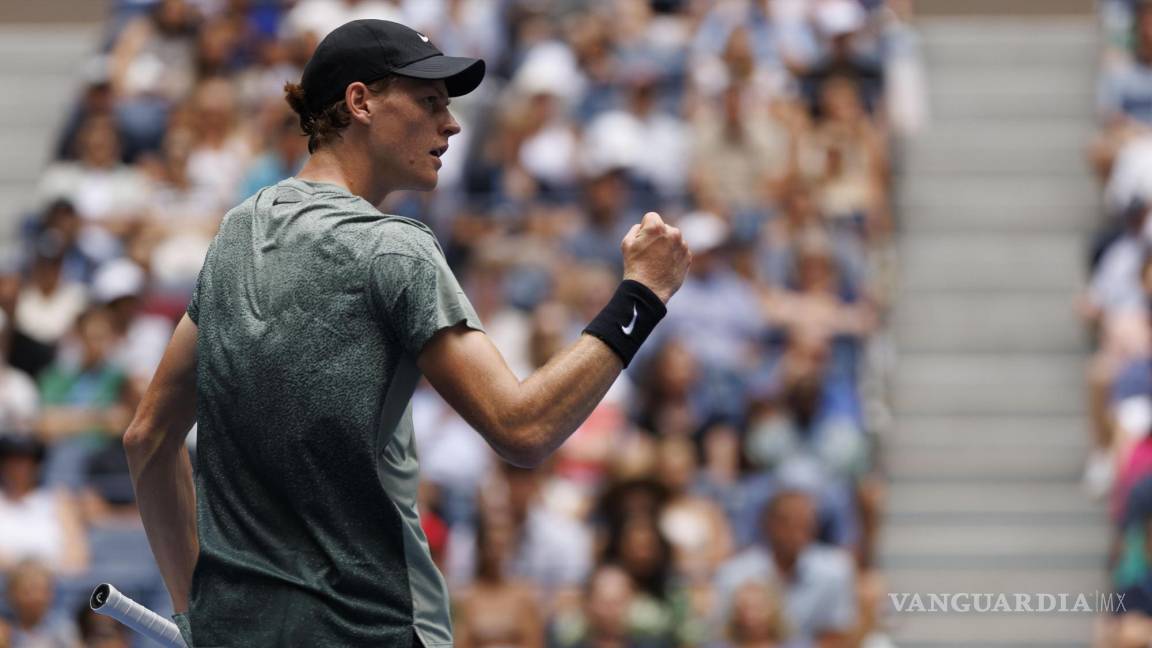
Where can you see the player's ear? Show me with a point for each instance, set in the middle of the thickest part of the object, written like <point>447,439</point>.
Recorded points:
<point>356,97</point>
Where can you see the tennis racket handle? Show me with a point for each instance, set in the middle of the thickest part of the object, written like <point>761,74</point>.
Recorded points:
<point>107,600</point>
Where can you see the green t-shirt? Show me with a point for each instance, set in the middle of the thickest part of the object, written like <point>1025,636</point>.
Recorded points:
<point>312,307</point>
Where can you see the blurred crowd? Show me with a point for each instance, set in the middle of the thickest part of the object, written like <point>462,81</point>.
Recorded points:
<point>1117,303</point>
<point>727,491</point>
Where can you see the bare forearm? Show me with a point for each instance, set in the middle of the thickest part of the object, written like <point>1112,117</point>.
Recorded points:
<point>559,396</point>
<point>524,421</point>
<point>160,467</point>
<point>167,500</point>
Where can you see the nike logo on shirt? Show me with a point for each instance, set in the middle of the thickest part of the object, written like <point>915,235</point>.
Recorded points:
<point>628,329</point>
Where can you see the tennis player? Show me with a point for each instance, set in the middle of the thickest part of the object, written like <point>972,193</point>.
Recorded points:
<point>313,318</point>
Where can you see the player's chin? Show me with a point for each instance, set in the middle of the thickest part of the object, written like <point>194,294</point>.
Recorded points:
<point>426,181</point>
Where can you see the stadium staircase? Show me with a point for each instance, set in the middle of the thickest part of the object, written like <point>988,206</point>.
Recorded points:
<point>996,205</point>
<point>42,54</point>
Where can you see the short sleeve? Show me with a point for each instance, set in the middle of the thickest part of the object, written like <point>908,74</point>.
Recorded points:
<point>416,296</point>
<point>194,302</point>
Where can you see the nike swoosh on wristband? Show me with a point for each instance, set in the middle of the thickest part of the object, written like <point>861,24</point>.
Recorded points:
<point>628,329</point>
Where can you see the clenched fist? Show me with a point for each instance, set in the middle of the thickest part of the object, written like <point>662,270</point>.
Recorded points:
<point>655,255</point>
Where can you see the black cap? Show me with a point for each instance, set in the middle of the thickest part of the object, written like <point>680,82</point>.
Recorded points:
<point>14,444</point>
<point>369,50</point>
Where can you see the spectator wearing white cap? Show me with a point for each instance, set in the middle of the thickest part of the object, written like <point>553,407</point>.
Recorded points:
<point>716,315</point>
<point>842,25</point>
<point>640,137</point>
<point>538,146</point>
<point>317,18</point>
<point>140,337</point>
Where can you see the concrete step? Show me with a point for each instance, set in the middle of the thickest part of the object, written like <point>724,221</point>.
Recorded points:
<point>972,630</point>
<point>1029,152</point>
<point>24,154</point>
<point>1018,35</point>
<point>996,433</point>
<point>990,496</point>
<point>994,262</point>
<point>1021,540</point>
<point>987,10</point>
<point>1009,191</point>
<point>976,214</point>
<point>1007,580</point>
<point>988,322</point>
<point>919,464</point>
<point>1040,160</point>
<point>994,191</point>
<point>33,42</point>
<point>48,91</point>
<point>992,147</point>
<point>953,103</point>
<point>960,383</point>
<point>1006,81</point>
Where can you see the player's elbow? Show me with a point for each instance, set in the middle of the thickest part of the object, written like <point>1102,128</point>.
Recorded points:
<point>520,447</point>
<point>138,442</point>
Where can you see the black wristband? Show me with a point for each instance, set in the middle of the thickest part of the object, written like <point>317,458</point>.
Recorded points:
<point>628,318</point>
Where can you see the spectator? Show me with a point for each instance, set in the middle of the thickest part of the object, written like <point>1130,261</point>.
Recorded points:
<point>818,581</point>
<point>140,337</point>
<point>553,550</point>
<point>496,610</point>
<point>38,522</point>
<point>741,153</point>
<point>817,308</point>
<point>315,18</point>
<point>660,613</point>
<point>606,620</point>
<point>281,157</point>
<point>108,195</point>
<point>46,307</point>
<point>86,399</point>
<point>845,157</point>
<point>841,24</point>
<point>757,620</point>
<point>30,593</point>
<point>695,526</point>
<point>820,409</point>
<point>641,138</point>
<point>716,299</point>
<point>152,68</point>
<point>1125,92</point>
<point>222,145</point>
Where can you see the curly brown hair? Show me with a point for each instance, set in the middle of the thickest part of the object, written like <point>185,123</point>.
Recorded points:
<point>325,126</point>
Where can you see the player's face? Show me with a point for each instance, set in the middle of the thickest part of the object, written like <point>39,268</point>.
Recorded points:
<point>411,132</point>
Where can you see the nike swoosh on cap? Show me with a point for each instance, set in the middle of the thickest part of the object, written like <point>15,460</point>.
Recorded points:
<point>628,329</point>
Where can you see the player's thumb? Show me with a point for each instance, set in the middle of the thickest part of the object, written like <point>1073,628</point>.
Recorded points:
<point>651,220</point>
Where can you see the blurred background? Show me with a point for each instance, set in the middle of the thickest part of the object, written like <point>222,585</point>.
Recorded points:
<point>912,354</point>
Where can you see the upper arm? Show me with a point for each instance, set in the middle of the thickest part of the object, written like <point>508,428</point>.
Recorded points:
<point>168,408</point>
<point>469,372</point>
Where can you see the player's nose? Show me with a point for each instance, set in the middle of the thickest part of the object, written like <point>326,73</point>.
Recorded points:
<point>450,126</point>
